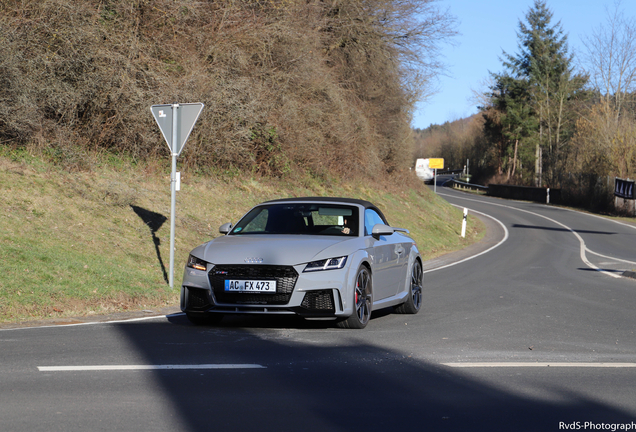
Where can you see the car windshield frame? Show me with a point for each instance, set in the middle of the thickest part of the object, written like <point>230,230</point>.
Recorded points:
<point>294,218</point>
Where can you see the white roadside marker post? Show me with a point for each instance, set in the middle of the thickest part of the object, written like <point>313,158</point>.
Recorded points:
<point>464,223</point>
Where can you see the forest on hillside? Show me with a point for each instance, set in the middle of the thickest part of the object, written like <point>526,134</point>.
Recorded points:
<point>326,87</point>
<point>550,118</point>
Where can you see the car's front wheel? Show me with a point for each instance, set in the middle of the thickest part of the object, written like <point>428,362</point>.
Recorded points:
<point>413,301</point>
<point>361,301</point>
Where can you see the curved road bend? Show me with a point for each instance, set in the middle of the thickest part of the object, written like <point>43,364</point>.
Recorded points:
<point>552,291</point>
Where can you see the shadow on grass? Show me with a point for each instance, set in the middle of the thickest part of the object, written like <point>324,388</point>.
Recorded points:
<point>154,222</point>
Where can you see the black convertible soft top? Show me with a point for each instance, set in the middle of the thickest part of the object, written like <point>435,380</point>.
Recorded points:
<point>363,203</point>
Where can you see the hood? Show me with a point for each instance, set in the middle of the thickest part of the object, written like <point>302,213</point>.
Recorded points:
<point>273,249</point>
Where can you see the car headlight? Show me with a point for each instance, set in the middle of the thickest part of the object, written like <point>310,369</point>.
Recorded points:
<point>326,264</point>
<point>196,263</point>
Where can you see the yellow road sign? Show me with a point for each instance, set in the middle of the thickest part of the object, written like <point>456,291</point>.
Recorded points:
<point>436,163</point>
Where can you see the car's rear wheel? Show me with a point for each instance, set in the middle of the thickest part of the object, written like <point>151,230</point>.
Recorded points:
<point>204,318</point>
<point>413,302</point>
<point>361,301</point>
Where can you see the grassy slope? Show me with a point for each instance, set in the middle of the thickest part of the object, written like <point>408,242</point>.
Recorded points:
<point>77,243</point>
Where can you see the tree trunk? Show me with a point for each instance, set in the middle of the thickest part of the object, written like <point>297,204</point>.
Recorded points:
<point>514,160</point>
<point>536,166</point>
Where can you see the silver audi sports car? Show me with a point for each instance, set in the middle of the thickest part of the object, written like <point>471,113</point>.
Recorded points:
<point>315,257</point>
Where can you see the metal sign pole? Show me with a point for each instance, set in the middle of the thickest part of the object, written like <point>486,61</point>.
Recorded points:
<point>435,181</point>
<point>173,191</point>
<point>175,130</point>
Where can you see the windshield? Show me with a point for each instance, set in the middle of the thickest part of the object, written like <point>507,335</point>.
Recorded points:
<point>309,219</point>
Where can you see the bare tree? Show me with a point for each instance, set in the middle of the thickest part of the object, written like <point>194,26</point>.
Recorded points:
<point>605,140</point>
<point>610,58</point>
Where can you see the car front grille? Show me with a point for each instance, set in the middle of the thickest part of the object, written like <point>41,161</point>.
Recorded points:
<point>285,277</point>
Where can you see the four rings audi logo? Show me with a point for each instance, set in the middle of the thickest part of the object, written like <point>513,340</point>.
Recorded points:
<point>251,260</point>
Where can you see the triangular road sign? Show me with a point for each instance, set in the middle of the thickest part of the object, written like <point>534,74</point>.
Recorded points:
<point>186,114</point>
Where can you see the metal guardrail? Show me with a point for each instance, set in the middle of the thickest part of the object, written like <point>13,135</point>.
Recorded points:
<point>444,172</point>
<point>467,186</point>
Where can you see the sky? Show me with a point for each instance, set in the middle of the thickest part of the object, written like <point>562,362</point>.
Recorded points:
<point>489,27</point>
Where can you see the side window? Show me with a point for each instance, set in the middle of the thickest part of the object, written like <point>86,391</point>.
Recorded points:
<point>371,217</point>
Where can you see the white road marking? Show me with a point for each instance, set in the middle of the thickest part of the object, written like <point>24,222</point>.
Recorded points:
<point>583,246</point>
<point>599,217</point>
<point>538,364</point>
<point>128,320</point>
<point>611,258</point>
<point>481,253</point>
<point>147,367</point>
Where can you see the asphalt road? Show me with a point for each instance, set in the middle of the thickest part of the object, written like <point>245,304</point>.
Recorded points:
<point>531,330</point>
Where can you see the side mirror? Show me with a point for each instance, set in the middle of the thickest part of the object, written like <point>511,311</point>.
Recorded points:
<point>225,228</point>
<point>381,230</point>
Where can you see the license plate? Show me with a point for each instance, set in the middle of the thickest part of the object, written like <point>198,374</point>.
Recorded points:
<point>268,286</point>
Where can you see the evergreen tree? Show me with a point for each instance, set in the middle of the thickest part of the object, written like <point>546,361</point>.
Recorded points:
<point>544,66</point>
<point>510,122</point>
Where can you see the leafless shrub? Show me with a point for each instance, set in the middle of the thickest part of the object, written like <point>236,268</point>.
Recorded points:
<point>325,86</point>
